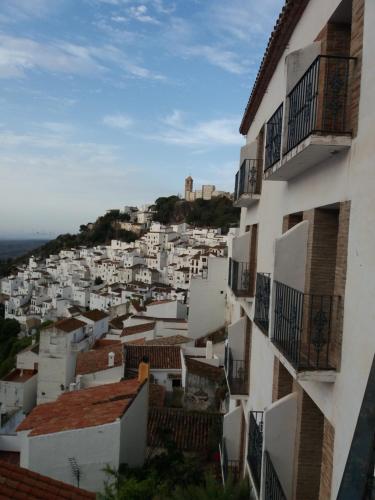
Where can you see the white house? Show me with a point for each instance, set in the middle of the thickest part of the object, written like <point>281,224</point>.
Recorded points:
<point>91,429</point>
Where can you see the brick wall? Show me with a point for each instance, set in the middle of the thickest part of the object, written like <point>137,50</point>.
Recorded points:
<point>282,384</point>
<point>291,220</point>
<point>356,45</point>
<point>308,447</point>
<point>327,461</point>
<point>247,349</point>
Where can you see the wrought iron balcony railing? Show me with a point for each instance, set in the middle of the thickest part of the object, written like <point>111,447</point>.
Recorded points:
<point>236,372</point>
<point>273,138</point>
<point>239,278</point>
<point>255,446</point>
<point>229,468</point>
<point>248,178</point>
<point>318,103</point>
<point>262,301</point>
<point>304,325</point>
<point>272,487</point>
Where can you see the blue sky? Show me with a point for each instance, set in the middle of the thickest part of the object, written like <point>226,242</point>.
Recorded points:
<point>106,103</point>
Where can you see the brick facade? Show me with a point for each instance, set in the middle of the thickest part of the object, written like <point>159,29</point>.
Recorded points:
<point>253,258</point>
<point>282,383</point>
<point>327,461</point>
<point>356,46</point>
<point>308,447</point>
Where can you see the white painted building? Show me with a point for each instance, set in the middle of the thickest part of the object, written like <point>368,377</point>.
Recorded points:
<point>301,275</point>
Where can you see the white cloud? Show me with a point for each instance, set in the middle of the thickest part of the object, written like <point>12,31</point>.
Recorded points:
<point>218,132</point>
<point>118,121</point>
<point>217,56</point>
<point>140,13</point>
<point>18,56</point>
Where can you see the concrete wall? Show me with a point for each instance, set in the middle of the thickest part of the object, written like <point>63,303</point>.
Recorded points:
<point>134,430</point>
<point>207,299</point>
<point>93,449</point>
<point>232,423</point>
<point>108,376</point>
<point>236,338</point>
<point>280,423</point>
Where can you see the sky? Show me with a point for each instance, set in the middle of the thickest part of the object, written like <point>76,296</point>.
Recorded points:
<point>106,103</point>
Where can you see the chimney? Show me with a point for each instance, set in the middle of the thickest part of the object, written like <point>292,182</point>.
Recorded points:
<point>143,369</point>
<point>111,359</point>
<point>209,350</point>
<point>72,387</point>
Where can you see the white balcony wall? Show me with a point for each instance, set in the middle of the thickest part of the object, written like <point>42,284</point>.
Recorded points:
<point>236,338</point>
<point>280,422</point>
<point>290,256</point>
<point>241,248</point>
<point>232,433</point>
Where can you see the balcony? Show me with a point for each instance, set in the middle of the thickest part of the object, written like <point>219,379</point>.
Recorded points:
<point>273,139</point>
<point>239,278</point>
<point>318,119</point>
<point>304,328</point>
<point>272,487</point>
<point>229,468</point>
<point>262,301</point>
<point>255,447</point>
<point>248,183</point>
<point>236,373</point>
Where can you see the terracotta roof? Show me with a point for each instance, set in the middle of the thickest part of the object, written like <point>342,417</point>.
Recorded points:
<point>117,322</point>
<point>144,327</point>
<point>68,325</point>
<point>159,302</point>
<point>19,375</point>
<point>160,357</point>
<point>96,360</point>
<point>172,340</point>
<point>190,430</point>
<point>153,318</point>
<point>156,395</point>
<point>204,370</point>
<point>19,483</point>
<point>79,409</point>
<point>277,43</point>
<point>95,315</point>
<point>105,343</point>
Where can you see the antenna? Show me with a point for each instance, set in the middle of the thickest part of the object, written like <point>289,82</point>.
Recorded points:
<point>75,469</point>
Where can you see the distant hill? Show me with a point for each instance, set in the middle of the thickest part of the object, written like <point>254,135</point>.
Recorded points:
<point>100,232</point>
<point>15,248</point>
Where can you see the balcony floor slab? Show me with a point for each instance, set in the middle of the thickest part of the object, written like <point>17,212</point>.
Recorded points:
<point>310,152</point>
<point>246,200</point>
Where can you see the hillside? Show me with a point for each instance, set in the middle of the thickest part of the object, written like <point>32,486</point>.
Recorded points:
<point>218,212</point>
<point>100,232</point>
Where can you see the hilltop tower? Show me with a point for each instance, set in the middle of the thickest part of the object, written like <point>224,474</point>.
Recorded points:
<point>188,187</point>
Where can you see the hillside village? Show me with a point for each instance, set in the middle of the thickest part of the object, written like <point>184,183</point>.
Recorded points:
<point>100,314</point>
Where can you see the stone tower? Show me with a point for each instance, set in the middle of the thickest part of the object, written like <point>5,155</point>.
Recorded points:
<point>188,187</point>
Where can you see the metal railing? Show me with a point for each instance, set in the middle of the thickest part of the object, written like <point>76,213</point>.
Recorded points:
<point>229,468</point>
<point>262,301</point>
<point>272,487</point>
<point>319,101</point>
<point>303,327</point>
<point>273,138</point>
<point>248,178</point>
<point>255,446</point>
<point>236,372</point>
<point>239,278</point>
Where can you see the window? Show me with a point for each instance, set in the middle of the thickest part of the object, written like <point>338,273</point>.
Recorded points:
<point>176,382</point>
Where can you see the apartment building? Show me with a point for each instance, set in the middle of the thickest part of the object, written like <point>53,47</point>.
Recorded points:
<point>300,350</point>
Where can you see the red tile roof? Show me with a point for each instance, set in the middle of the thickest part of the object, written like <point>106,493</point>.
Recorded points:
<point>105,343</point>
<point>95,315</point>
<point>203,369</point>
<point>277,43</point>
<point>19,483</point>
<point>84,408</point>
<point>68,325</point>
<point>160,357</point>
<point>172,340</point>
<point>144,327</point>
<point>153,318</point>
<point>159,302</point>
<point>190,430</point>
<point>96,360</point>
<point>19,375</point>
